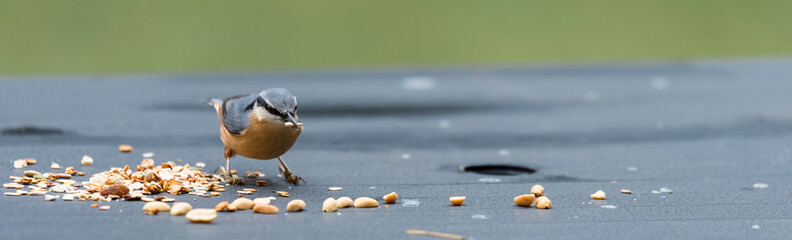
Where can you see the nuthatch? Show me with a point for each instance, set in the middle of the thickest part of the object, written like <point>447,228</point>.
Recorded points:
<point>260,126</point>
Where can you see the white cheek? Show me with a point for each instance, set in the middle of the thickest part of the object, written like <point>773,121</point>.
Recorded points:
<point>262,114</point>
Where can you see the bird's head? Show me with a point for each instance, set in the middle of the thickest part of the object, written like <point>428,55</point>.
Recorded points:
<point>278,105</point>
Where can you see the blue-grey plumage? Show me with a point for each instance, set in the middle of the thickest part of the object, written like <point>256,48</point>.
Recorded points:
<point>260,126</point>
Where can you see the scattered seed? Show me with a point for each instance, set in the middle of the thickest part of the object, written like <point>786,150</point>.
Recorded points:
<point>295,205</point>
<point>55,165</point>
<point>625,191</point>
<point>344,202</point>
<point>265,209</point>
<point>524,200</point>
<point>214,194</point>
<point>222,206</point>
<point>11,194</point>
<point>435,234</point>
<point>261,183</point>
<point>20,163</point>
<point>68,197</point>
<point>180,208</point>
<point>329,205</point>
<point>106,207</point>
<point>30,161</point>
<point>391,197</point>
<point>334,188</point>
<point>87,160</point>
<point>243,203</point>
<point>365,202</point>
<point>457,201</point>
<point>244,192</point>
<point>148,155</point>
<point>115,189</point>
<point>253,174</point>
<point>201,215</point>
<point>543,203</point>
<point>124,148</point>
<point>94,205</point>
<point>537,190</point>
<point>31,173</point>
<point>153,208</point>
<point>261,201</point>
<point>599,195</point>
<point>283,193</point>
<point>50,197</point>
<point>13,185</point>
<point>200,165</point>
<point>249,189</point>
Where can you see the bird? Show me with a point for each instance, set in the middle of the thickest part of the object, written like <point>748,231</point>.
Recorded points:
<point>261,126</point>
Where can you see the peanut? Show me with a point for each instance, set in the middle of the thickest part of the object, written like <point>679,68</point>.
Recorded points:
<point>391,197</point>
<point>343,202</point>
<point>201,215</point>
<point>155,207</point>
<point>243,204</point>
<point>222,206</point>
<point>329,205</point>
<point>265,209</point>
<point>180,208</point>
<point>524,200</point>
<point>599,195</point>
<point>543,203</point>
<point>261,201</point>
<point>365,202</point>
<point>537,190</point>
<point>295,205</point>
<point>458,200</point>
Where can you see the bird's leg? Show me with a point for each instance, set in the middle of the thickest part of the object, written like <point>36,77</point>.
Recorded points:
<point>227,176</point>
<point>287,174</point>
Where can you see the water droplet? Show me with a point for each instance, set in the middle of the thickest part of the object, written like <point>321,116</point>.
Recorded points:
<point>760,185</point>
<point>479,217</point>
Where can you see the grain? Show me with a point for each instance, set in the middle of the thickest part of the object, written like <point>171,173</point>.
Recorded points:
<point>344,202</point>
<point>104,207</point>
<point>329,205</point>
<point>543,203</point>
<point>265,209</point>
<point>599,195</point>
<point>201,215</point>
<point>391,197</point>
<point>124,148</point>
<point>20,163</point>
<point>55,165</point>
<point>94,205</point>
<point>295,205</point>
<point>30,161</point>
<point>334,188</point>
<point>87,160</point>
<point>457,200</point>
<point>524,200</point>
<point>31,173</point>
<point>152,208</point>
<point>537,190</point>
<point>283,193</point>
<point>180,208</point>
<point>625,191</point>
<point>242,203</point>
<point>365,202</point>
<point>50,197</point>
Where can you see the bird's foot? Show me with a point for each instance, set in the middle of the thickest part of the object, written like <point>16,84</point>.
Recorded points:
<point>230,178</point>
<point>289,176</point>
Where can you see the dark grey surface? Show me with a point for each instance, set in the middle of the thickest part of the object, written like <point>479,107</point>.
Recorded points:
<point>708,130</point>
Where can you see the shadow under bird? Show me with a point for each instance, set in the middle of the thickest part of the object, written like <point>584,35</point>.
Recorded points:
<point>260,126</point>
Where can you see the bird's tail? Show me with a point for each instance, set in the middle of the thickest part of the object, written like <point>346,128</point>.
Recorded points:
<point>212,101</point>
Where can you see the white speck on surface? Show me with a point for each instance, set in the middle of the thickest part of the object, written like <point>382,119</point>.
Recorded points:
<point>632,169</point>
<point>420,83</point>
<point>655,191</point>
<point>755,227</point>
<point>372,187</point>
<point>489,180</point>
<point>200,165</point>
<point>444,123</point>
<point>608,206</point>
<point>665,190</point>
<point>760,185</point>
<point>479,217</point>
<point>406,156</point>
<point>411,203</point>
<point>504,152</point>
<point>659,83</point>
<point>148,155</point>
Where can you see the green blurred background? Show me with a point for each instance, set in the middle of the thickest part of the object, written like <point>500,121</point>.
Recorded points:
<point>90,37</point>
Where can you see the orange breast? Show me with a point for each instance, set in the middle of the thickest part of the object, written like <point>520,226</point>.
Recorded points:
<point>261,140</point>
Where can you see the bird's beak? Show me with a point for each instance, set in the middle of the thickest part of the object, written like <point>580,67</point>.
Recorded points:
<point>291,122</point>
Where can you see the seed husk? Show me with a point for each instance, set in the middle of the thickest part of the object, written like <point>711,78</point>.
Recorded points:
<point>344,202</point>
<point>537,190</point>
<point>243,203</point>
<point>599,195</point>
<point>152,208</point>
<point>457,200</point>
<point>261,183</point>
<point>265,209</point>
<point>626,191</point>
<point>295,205</point>
<point>365,202</point>
<point>524,200</point>
<point>106,207</point>
<point>334,188</point>
<point>391,197</point>
<point>124,148</point>
<point>55,165</point>
<point>87,160</point>
<point>261,201</point>
<point>115,189</point>
<point>329,205</point>
<point>20,163</point>
<point>50,197</point>
<point>283,193</point>
<point>94,205</point>
<point>180,208</point>
<point>543,203</point>
<point>31,173</point>
<point>214,194</point>
<point>201,215</point>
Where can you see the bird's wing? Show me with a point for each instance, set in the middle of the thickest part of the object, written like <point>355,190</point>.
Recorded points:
<point>236,112</point>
